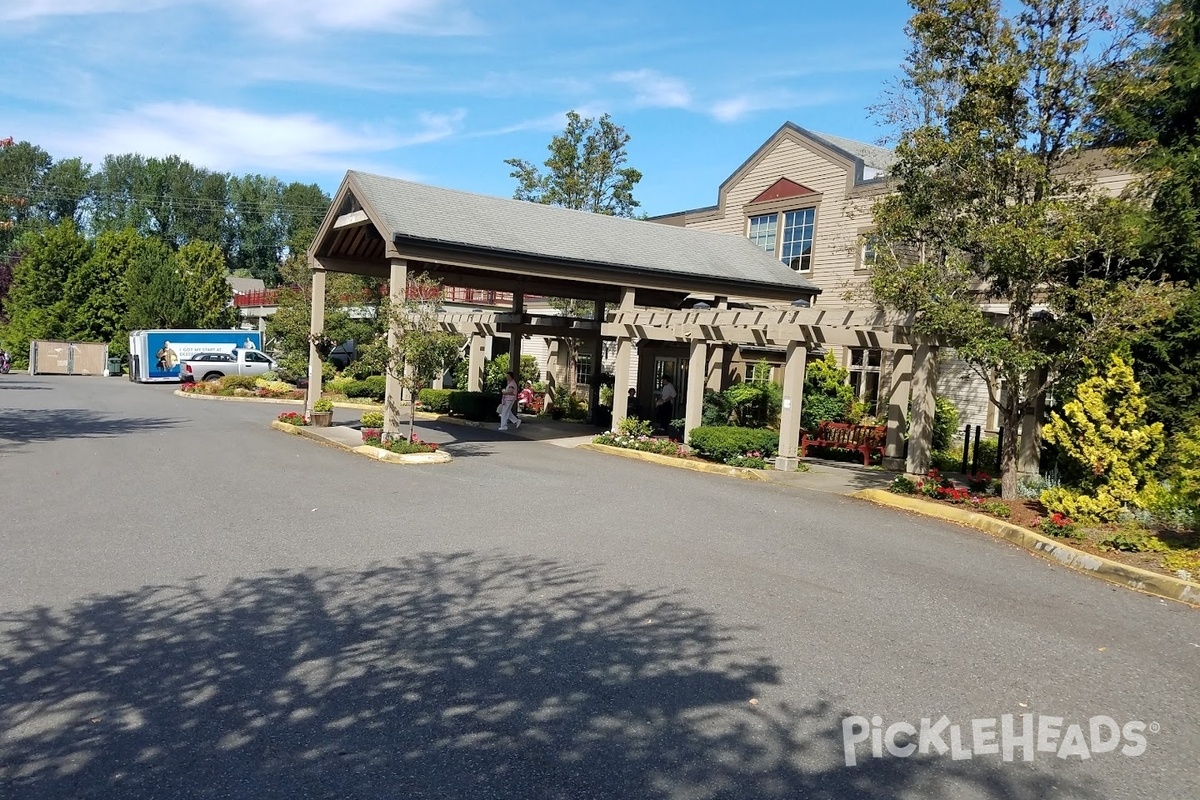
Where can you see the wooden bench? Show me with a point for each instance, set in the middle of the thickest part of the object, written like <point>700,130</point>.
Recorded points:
<point>865,439</point>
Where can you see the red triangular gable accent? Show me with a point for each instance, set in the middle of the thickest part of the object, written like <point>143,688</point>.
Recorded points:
<point>781,189</point>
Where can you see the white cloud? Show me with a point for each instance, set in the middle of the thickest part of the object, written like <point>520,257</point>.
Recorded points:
<point>236,140</point>
<point>283,18</point>
<point>654,90</point>
<point>735,108</point>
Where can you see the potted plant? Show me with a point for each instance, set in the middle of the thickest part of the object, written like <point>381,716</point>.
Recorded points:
<point>322,413</point>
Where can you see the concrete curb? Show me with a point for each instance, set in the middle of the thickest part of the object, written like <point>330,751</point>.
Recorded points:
<point>374,453</point>
<point>285,401</point>
<point>744,473</point>
<point>1131,577</point>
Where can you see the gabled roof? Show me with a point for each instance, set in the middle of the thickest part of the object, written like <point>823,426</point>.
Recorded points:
<point>868,163</point>
<point>433,215</point>
<point>879,158</point>
<point>783,189</point>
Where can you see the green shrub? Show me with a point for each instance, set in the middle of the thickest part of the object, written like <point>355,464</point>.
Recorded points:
<point>631,426</point>
<point>1103,431</point>
<point>903,485</point>
<point>1184,469</point>
<point>270,376</point>
<point>989,453</point>
<point>478,406</point>
<point>1134,539</point>
<point>945,460</point>
<point>724,443</point>
<point>328,371</point>
<point>338,385</point>
<point>231,382</point>
<point>716,411</point>
<point>754,405</point>
<point>435,400</point>
<point>372,388</point>
<point>945,424</point>
<point>323,405</point>
<point>1186,560</point>
<point>369,359</point>
<point>371,419</point>
<point>1060,525</point>
<point>996,509</point>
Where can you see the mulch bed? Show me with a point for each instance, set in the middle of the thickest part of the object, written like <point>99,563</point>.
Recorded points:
<point>1027,513</point>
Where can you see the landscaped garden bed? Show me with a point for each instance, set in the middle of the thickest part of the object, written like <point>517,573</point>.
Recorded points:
<point>1136,539</point>
<point>244,386</point>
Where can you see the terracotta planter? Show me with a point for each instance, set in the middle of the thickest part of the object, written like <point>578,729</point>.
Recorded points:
<point>321,419</point>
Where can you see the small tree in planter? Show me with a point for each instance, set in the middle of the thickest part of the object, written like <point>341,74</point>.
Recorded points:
<point>420,350</point>
<point>322,413</point>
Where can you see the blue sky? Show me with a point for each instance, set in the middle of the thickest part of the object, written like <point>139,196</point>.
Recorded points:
<point>440,91</point>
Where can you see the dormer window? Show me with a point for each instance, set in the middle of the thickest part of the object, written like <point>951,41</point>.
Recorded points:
<point>793,205</point>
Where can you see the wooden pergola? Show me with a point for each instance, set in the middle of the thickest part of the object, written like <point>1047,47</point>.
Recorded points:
<point>635,274</point>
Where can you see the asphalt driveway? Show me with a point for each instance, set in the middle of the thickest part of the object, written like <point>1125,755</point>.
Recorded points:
<point>195,605</point>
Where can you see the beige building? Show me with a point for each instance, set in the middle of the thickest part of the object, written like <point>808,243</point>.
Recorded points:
<point>806,198</point>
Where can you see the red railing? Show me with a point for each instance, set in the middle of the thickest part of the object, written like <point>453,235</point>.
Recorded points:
<point>450,294</point>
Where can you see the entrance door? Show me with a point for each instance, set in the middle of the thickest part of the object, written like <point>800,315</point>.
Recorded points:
<point>675,369</point>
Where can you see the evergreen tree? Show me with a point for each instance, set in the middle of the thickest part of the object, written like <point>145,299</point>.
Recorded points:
<point>208,299</point>
<point>35,304</point>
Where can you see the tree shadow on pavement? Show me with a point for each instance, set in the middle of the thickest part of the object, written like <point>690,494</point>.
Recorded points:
<point>22,426</point>
<point>444,675</point>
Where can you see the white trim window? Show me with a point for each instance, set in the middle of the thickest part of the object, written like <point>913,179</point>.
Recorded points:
<point>759,372</point>
<point>864,370</point>
<point>583,369</point>
<point>763,231</point>
<point>797,244</point>
<point>869,254</point>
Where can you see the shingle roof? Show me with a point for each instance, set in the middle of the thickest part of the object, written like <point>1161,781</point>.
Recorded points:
<point>881,158</point>
<point>446,216</point>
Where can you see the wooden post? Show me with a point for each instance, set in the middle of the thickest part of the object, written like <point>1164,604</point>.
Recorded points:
<point>514,339</point>
<point>899,393</point>
<point>924,389</point>
<point>475,358</point>
<point>620,408</point>
<point>597,351</point>
<point>393,390</point>
<point>794,368</point>
<point>694,405</point>
<point>316,325</point>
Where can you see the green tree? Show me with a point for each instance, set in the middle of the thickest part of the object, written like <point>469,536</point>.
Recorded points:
<point>994,201</point>
<point>35,304</point>
<point>1156,116</point>
<point>255,230</point>
<point>1102,430</point>
<point>828,396</point>
<point>585,171</point>
<point>200,266</point>
<point>420,350</point>
<point>127,284</point>
<point>66,189</point>
<point>22,168</point>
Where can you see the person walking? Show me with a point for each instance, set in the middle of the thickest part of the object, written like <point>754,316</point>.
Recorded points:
<point>665,407</point>
<point>508,402</point>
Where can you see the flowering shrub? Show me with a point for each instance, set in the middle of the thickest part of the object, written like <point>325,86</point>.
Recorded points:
<point>952,494</point>
<point>980,482</point>
<point>1059,525</point>
<point>646,444</point>
<point>371,419</point>
<point>292,418</point>
<point>401,446</point>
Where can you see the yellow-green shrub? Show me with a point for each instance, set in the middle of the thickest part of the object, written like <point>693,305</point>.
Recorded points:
<point>1185,465</point>
<point>1102,430</point>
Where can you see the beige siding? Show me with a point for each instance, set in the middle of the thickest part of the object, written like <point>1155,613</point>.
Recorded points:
<point>835,240</point>
<point>961,385</point>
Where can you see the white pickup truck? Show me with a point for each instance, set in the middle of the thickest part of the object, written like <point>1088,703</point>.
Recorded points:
<point>212,366</point>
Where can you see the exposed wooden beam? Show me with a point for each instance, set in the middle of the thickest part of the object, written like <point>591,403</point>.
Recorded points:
<point>352,220</point>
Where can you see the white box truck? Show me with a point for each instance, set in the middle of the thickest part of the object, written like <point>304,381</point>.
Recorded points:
<point>154,356</point>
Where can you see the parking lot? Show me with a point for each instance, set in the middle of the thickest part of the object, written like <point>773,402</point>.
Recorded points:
<point>195,605</point>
